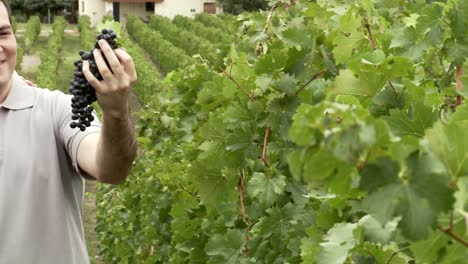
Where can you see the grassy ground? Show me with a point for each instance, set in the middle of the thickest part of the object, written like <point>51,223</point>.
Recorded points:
<point>89,221</point>
<point>71,47</point>
<point>30,72</point>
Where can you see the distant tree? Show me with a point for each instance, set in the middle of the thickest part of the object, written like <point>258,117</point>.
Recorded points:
<point>41,7</point>
<point>47,4</point>
<point>239,6</point>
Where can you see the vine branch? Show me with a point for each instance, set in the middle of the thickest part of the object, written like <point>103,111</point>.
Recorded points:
<point>363,164</point>
<point>265,144</point>
<point>189,192</point>
<point>459,86</point>
<point>393,88</point>
<point>245,217</point>
<point>370,254</point>
<point>374,46</point>
<point>453,235</point>
<point>395,253</point>
<point>315,76</point>
<point>259,48</point>
<point>251,98</point>
<point>369,31</point>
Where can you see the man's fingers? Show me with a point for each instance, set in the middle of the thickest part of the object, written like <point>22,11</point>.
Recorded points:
<point>114,63</point>
<point>101,65</point>
<point>90,77</point>
<point>127,62</point>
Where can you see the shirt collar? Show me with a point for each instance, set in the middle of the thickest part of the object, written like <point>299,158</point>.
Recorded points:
<point>20,96</point>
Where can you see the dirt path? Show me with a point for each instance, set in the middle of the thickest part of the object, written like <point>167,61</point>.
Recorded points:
<point>89,221</point>
<point>30,63</point>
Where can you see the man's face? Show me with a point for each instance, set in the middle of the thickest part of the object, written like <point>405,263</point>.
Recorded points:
<point>7,50</point>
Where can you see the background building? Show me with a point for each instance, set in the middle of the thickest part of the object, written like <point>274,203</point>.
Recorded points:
<point>120,9</point>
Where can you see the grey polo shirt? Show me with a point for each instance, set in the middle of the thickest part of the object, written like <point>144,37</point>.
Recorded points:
<point>41,186</point>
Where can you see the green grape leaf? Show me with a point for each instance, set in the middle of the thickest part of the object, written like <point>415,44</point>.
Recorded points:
<point>375,57</point>
<point>271,62</point>
<point>337,243</point>
<point>306,122</point>
<point>110,24</point>
<point>266,189</point>
<point>214,187</point>
<point>411,21</point>
<point>455,254</point>
<point>296,36</point>
<point>280,110</point>
<point>395,67</point>
<point>384,254</point>
<point>450,144</point>
<point>345,43</point>
<point>375,232</point>
<point>427,251</point>
<point>419,201</point>
<point>315,10</point>
<point>309,246</point>
<point>287,84</point>
<point>364,87</point>
<point>414,123</point>
<point>385,100</point>
<point>376,175</point>
<point>215,93</point>
<point>226,248</point>
<point>264,82</point>
<point>240,139</point>
<point>460,115</point>
<point>319,165</point>
<point>403,37</point>
<point>277,221</point>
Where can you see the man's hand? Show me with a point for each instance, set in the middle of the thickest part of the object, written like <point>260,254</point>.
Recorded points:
<point>113,90</point>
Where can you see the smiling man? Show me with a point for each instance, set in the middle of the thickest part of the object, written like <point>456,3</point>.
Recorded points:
<point>43,162</point>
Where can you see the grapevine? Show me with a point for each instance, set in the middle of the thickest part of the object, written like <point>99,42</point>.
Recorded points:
<point>335,132</point>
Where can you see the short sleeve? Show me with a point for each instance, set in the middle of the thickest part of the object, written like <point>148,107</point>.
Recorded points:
<point>72,137</point>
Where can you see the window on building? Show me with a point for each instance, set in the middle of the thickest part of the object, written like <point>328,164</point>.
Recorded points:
<point>209,8</point>
<point>82,6</point>
<point>149,7</point>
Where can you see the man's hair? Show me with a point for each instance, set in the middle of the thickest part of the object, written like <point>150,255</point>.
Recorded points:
<point>7,6</point>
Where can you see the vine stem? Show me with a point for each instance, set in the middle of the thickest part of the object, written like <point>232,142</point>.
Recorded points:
<point>374,46</point>
<point>369,31</point>
<point>245,217</point>
<point>363,164</point>
<point>459,86</point>
<point>265,144</point>
<point>453,235</point>
<point>259,48</point>
<point>395,253</point>
<point>315,76</point>
<point>189,192</point>
<point>370,254</point>
<point>238,85</point>
<point>393,88</point>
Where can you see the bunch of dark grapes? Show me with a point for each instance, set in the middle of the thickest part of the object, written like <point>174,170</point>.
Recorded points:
<point>83,93</point>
